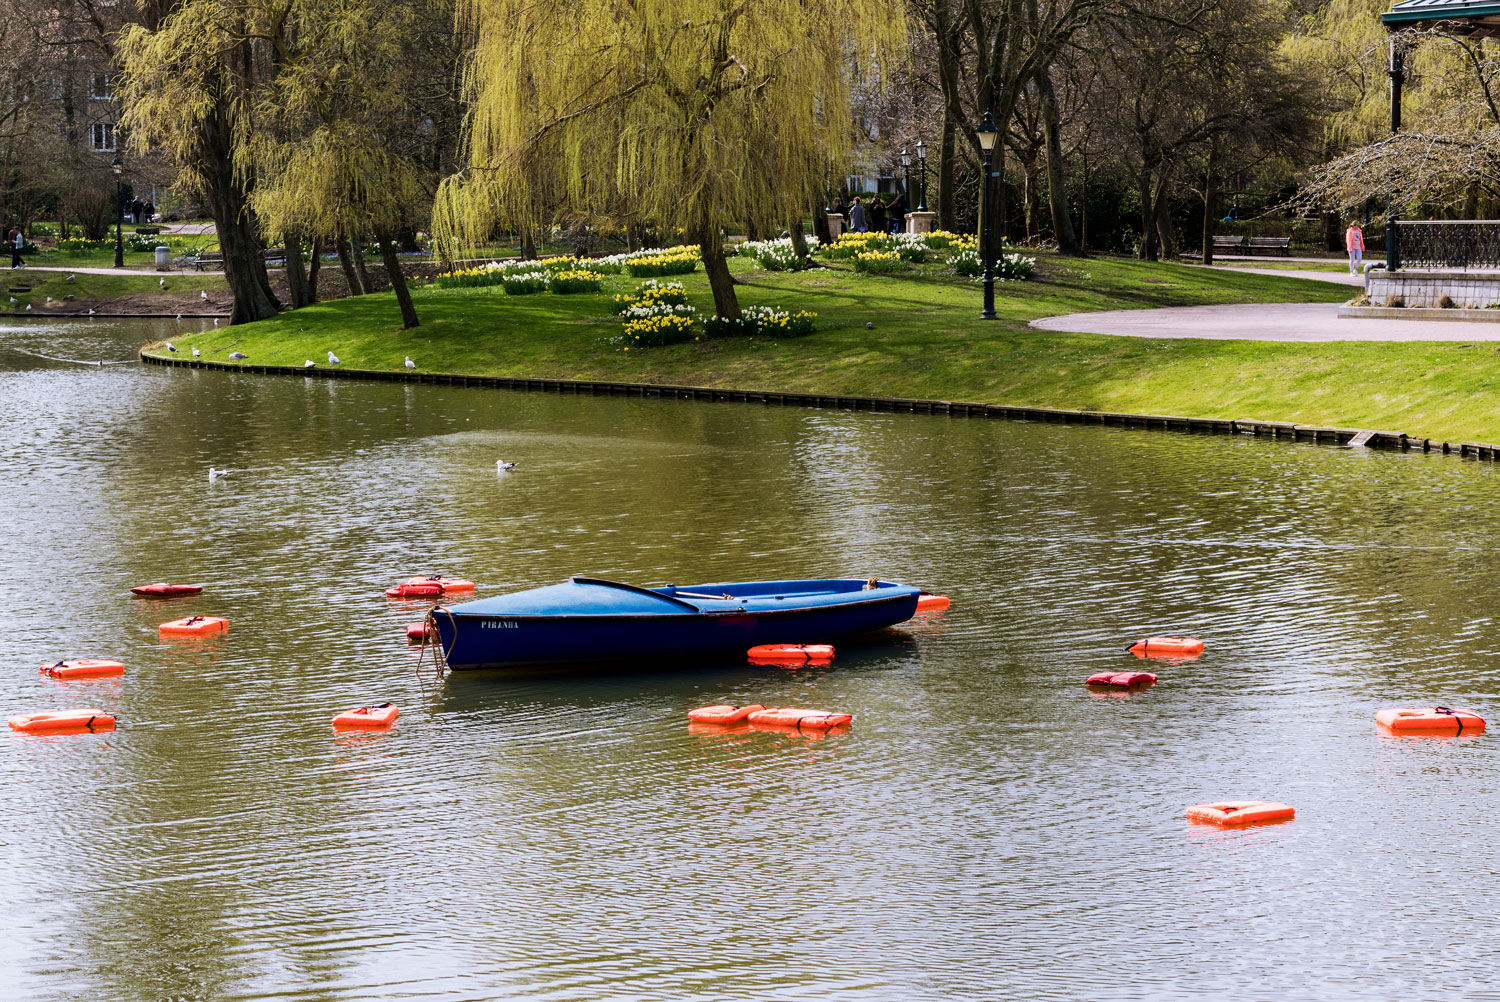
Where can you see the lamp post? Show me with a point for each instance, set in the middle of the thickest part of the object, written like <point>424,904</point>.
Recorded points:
<point>906,166</point>
<point>987,135</point>
<point>922,175</point>
<point>118,166</point>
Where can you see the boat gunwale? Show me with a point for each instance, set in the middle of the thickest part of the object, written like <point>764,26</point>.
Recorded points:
<point>553,616</point>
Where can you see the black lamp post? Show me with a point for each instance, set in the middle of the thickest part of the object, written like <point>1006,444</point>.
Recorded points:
<point>987,136</point>
<point>906,166</point>
<point>922,175</point>
<point>118,166</point>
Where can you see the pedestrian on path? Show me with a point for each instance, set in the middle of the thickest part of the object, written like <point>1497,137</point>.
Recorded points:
<point>1354,243</point>
<point>17,241</point>
<point>877,214</point>
<point>857,217</point>
<point>898,213</point>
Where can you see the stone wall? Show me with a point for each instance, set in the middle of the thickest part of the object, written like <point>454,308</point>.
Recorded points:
<point>1466,289</point>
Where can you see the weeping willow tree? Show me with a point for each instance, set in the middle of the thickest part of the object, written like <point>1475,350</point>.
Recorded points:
<point>682,114</point>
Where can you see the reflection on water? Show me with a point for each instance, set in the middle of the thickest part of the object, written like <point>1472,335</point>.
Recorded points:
<point>987,828</point>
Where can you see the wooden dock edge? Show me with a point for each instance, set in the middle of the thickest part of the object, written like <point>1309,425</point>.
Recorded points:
<point>1316,434</point>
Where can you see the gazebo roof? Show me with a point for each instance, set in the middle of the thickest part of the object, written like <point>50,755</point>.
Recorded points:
<point>1458,17</point>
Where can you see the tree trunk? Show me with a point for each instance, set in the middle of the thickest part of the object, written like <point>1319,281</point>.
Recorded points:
<point>296,271</point>
<point>716,266</point>
<point>314,262</point>
<point>820,225</point>
<point>1083,210</point>
<point>357,255</point>
<point>1210,199</point>
<point>398,280</point>
<point>1165,234</point>
<point>1057,187</point>
<point>799,239</point>
<point>1147,250</point>
<point>947,156</point>
<point>406,240</point>
<point>528,245</point>
<point>226,191</point>
<point>1031,200</point>
<point>341,245</point>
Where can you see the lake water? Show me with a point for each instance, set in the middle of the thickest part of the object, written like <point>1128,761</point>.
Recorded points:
<point>987,829</point>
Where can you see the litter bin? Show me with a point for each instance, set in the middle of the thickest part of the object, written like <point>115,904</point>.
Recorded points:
<point>163,258</point>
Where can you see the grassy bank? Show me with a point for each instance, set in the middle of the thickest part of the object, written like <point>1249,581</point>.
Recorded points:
<point>112,293</point>
<point>925,341</point>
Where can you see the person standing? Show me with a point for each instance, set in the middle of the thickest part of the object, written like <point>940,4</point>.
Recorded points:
<point>877,214</point>
<point>857,221</point>
<point>17,240</point>
<point>898,213</point>
<point>1354,243</point>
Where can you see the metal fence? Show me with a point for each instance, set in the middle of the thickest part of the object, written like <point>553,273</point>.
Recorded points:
<point>1449,244</point>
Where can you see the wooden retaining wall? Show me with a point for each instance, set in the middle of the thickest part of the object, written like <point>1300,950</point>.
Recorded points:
<point>1288,431</point>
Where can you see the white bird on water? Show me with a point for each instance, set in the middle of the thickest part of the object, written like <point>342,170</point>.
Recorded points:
<point>501,466</point>
<point>214,474</point>
<point>171,347</point>
<point>238,355</point>
<point>333,359</point>
<point>216,321</point>
<point>409,363</point>
<point>179,316</point>
<point>309,364</point>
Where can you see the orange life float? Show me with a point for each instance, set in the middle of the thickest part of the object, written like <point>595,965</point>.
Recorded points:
<point>1122,679</point>
<point>416,633</point>
<point>1436,718</point>
<point>816,720</point>
<point>195,626</point>
<point>428,587</point>
<point>932,603</point>
<point>383,715</point>
<point>1239,812</point>
<point>83,668</point>
<point>723,713</point>
<point>64,720</point>
<point>792,652</point>
<point>163,590</point>
<point>1166,645</point>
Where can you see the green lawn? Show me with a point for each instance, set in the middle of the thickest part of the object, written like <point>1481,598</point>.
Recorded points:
<point>97,289</point>
<point>919,335</point>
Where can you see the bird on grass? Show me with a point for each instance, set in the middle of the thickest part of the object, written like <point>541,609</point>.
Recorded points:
<point>70,278</point>
<point>13,299</point>
<point>214,474</point>
<point>501,466</point>
<point>309,364</point>
<point>171,347</point>
<point>409,363</point>
<point>333,359</point>
<point>49,299</point>
<point>237,355</point>
<point>28,307</point>
<point>162,282</point>
<point>196,352</point>
<point>91,311</point>
<point>203,295</point>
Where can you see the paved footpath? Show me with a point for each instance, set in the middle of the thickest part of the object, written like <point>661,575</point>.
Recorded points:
<point>1266,322</point>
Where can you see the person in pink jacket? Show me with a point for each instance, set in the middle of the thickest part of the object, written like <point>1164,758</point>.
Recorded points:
<point>1354,243</point>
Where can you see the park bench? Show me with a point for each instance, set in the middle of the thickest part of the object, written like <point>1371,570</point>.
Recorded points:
<point>1228,243</point>
<point>203,259</point>
<point>1271,245</point>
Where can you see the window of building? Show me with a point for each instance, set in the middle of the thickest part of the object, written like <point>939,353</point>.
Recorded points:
<point>99,87</point>
<point>104,137</point>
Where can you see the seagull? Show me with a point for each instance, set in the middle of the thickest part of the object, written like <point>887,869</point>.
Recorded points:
<point>179,316</point>
<point>203,295</point>
<point>91,312</point>
<point>14,299</point>
<point>409,363</point>
<point>162,282</point>
<point>309,364</point>
<point>28,307</point>
<point>196,353</point>
<point>216,321</point>
<point>49,299</point>
<point>171,347</point>
<point>70,278</point>
<point>238,355</point>
<point>214,474</point>
<point>501,466</point>
<point>333,359</point>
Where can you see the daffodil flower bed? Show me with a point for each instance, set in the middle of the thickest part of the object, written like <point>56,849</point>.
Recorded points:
<point>777,255</point>
<point>566,282</point>
<point>679,260</point>
<point>651,293</point>
<point>762,320</point>
<point>879,261</point>
<point>657,329</point>
<point>525,283</point>
<point>501,272</point>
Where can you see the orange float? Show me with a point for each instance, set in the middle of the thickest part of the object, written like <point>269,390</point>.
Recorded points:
<point>195,626</point>
<point>416,633</point>
<point>817,720</point>
<point>383,715</point>
<point>428,587</point>
<point>83,668</point>
<point>723,713</point>
<point>64,720</point>
<point>792,652</point>
<point>932,603</point>
<point>1239,812</point>
<point>1435,718</point>
<point>163,590</point>
<point>1166,645</point>
<point>1122,679</point>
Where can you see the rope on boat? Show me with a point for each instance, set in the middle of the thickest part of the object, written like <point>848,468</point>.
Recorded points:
<point>434,639</point>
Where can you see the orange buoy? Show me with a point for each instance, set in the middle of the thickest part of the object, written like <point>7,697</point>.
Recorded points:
<point>416,633</point>
<point>792,652</point>
<point>817,720</point>
<point>1436,718</point>
<point>64,720</point>
<point>932,603</point>
<point>195,626</point>
<point>1166,645</point>
<point>383,715</point>
<point>428,587</point>
<point>163,590</point>
<point>83,668</point>
<point>1122,679</point>
<point>451,585</point>
<point>723,713</point>
<point>1239,812</point>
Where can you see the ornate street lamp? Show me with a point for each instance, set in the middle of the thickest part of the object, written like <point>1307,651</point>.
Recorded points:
<point>922,162</point>
<point>118,166</point>
<point>987,136</point>
<point>906,166</point>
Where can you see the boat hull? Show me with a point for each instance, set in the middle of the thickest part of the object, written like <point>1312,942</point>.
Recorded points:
<point>493,641</point>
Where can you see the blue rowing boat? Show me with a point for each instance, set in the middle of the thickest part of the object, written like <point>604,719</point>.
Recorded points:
<point>591,619</point>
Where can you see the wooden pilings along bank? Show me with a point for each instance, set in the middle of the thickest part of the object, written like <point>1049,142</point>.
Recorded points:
<point>1287,430</point>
